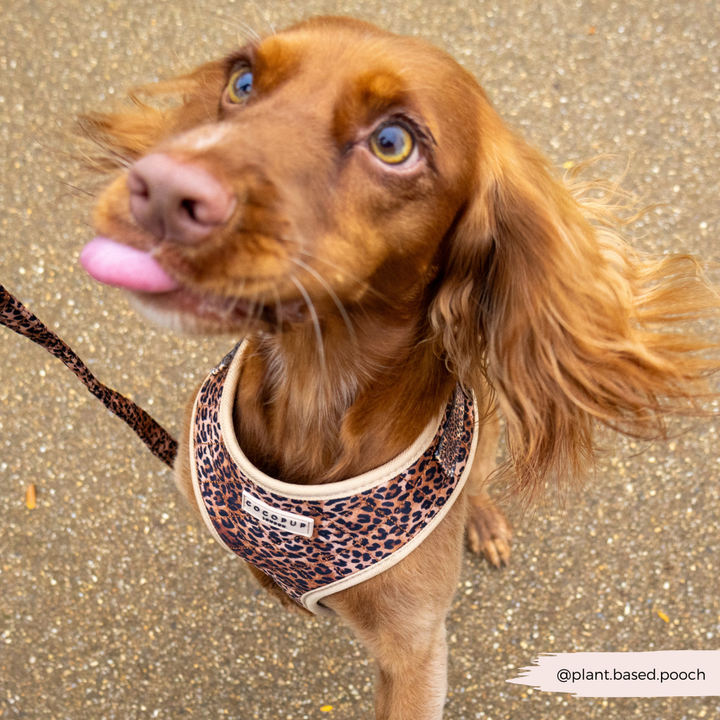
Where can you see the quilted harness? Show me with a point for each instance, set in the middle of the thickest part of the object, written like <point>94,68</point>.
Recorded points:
<point>314,540</point>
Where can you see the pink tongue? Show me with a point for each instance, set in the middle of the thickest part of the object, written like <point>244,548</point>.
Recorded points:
<point>111,263</point>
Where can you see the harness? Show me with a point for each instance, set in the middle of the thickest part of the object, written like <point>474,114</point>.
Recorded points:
<point>314,540</point>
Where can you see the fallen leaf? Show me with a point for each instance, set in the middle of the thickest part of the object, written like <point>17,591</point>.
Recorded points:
<point>30,497</point>
<point>663,616</point>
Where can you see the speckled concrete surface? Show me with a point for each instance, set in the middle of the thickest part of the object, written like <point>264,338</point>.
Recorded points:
<point>115,604</point>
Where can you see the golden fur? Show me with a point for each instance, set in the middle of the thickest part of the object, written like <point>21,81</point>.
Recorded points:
<point>367,291</point>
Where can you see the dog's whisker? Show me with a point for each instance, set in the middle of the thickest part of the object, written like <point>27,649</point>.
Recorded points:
<point>71,194</point>
<point>229,306</point>
<point>94,162</point>
<point>242,27</point>
<point>278,308</point>
<point>79,189</point>
<point>264,17</point>
<point>332,293</point>
<point>79,154</point>
<point>110,154</point>
<point>256,309</point>
<point>355,278</point>
<point>315,319</point>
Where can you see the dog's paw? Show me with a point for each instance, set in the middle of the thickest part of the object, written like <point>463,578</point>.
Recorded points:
<point>488,531</point>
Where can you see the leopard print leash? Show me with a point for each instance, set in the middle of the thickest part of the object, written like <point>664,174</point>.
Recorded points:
<point>14,315</point>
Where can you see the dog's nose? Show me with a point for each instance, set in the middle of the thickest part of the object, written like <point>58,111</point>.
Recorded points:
<point>176,200</point>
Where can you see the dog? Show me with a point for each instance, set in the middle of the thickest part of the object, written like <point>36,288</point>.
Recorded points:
<point>349,202</point>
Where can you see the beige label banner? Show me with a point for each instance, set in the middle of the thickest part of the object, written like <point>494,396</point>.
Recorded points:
<point>666,673</point>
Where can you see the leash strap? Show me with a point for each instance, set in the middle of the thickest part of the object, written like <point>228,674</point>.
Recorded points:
<point>14,315</point>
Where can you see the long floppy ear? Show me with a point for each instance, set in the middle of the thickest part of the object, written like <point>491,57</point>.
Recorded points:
<point>542,298</point>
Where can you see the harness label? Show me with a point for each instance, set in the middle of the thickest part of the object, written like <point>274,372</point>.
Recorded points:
<point>279,519</point>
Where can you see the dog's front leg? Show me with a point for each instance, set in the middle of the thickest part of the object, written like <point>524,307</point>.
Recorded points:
<point>400,616</point>
<point>488,531</point>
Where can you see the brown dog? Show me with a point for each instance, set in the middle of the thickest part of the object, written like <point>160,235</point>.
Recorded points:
<point>349,200</point>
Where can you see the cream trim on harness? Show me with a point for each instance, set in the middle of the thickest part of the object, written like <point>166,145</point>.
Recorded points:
<point>308,497</point>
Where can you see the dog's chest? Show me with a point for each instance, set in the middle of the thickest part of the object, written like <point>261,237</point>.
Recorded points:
<point>314,540</point>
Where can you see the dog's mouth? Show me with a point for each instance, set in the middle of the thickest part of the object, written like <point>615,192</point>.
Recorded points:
<point>158,293</point>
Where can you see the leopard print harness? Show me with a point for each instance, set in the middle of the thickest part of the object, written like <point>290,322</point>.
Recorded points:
<point>314,540</point>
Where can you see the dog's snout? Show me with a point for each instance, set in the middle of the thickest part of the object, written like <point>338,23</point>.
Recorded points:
<point>177,201</point>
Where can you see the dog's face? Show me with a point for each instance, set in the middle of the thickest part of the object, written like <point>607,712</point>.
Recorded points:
<point>300,170</point>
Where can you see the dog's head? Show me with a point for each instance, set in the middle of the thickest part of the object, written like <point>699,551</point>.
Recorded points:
<point>322,166</point>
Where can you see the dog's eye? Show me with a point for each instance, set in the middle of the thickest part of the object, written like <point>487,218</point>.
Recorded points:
<point>392,144</point>
<point>240,85</point>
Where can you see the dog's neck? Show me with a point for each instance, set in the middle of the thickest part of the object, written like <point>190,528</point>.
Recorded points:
<point>308,417</point>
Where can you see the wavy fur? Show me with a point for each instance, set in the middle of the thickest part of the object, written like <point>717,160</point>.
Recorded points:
<point>545,299</point>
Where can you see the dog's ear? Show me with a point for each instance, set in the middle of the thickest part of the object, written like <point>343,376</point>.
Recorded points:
<point>543,299</point>
<point>181,104</point>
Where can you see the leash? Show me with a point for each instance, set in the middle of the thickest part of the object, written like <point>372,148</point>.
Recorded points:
<point>14,315</point>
